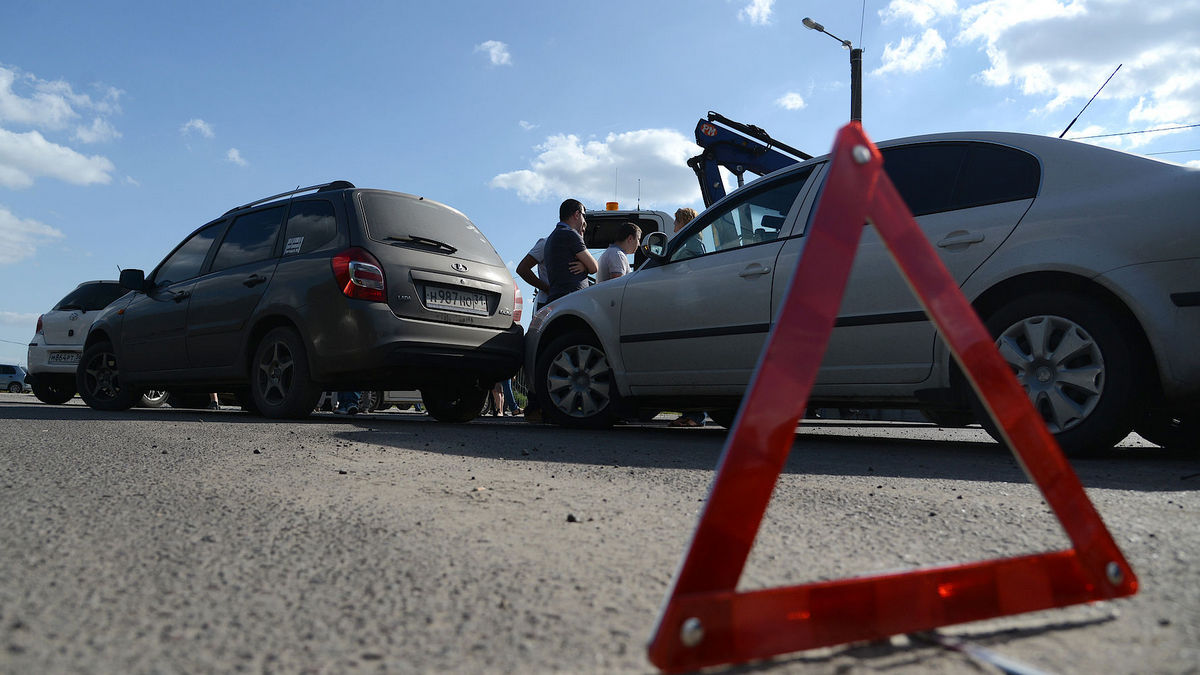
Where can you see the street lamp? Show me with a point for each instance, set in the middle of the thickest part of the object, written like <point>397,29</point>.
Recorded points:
<point>855,70</point>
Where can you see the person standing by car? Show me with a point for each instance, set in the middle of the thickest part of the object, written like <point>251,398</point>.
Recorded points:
<point>564,246</point>
<point>614,262</point>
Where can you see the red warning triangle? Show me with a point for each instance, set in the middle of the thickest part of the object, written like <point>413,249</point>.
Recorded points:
<point>706,621</point>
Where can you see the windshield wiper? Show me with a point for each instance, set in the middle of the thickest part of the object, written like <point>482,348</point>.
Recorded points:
<point>418,239</point>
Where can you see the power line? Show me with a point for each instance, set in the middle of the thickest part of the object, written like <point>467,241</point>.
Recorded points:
<point>1173,152</point>
<point>1128,133</point>
<point>861,23</point>
<point>23,344</point>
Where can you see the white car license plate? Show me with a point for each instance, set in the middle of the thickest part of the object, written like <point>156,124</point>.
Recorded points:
<point>64,357</point>
<point>456,300</point>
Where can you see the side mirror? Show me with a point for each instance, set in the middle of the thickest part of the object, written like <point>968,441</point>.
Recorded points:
<point>654,245</point>
<point>133,279</point>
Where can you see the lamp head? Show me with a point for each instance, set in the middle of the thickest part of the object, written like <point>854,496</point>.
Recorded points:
<point>813,24</point>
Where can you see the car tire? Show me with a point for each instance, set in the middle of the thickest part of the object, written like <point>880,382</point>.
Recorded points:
<point>574,382</point>
<point>454,403</point>
<point>54,389</point>
<point>280,385</point>
<point>369,401</point>
<point>154,399</point>
<point>98,379</point>
<point>1087,391</point>
<point>15,388</point>
<point>1173,431</point>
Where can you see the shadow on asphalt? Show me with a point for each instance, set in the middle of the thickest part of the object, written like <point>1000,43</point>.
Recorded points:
<point>837,450</point>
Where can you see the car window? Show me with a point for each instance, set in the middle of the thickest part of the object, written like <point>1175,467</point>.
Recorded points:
<point>411,222</point>
<point>7,370</point>
<point>185,262</point>
<point>251,238</point>
<point>310,225</point>
<point>937,177</point>
<point>755,218</point>
<point>91,297</point>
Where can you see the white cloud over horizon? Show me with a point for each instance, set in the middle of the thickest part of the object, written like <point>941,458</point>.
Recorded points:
<point>566,166</point>
<point>496,51</point>
<point>913,55</point>
<point>20,238</point>
<point>26,156</point>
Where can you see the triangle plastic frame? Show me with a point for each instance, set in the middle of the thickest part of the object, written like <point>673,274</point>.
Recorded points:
<point>706,621</point>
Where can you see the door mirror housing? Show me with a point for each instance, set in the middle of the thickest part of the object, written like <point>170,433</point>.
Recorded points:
<point>654,245</point>
<point>133,279</point>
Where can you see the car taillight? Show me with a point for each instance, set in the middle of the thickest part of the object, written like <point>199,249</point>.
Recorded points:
<point>518,304</point>
<point>360,275</point>
<point>38,330</point>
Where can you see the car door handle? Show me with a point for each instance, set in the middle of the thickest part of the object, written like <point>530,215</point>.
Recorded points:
<point>254,280</point>
<point>180,296</point>
<point>960,238</point>
<point>754,270</point>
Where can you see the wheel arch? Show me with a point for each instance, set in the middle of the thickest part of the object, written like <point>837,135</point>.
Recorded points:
<point>263,326</point>
<point>995,297</point>
<point>572,322</point>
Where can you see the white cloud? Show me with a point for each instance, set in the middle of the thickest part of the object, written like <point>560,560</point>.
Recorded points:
<point>99,131</point>
<point>527,126</point>
<point>1063,50</point>
<point>919,12</point>
<point>26,156</point>
<point>497,52</point>
<point>26,319</point>
<point>49,105</point>
<point>758,12</point>
<point>235,156</point>
<point>912,57</point>
<point>568,167</point>
<point>198,126</point>
<point>20,238</point>
<point>791,101</point>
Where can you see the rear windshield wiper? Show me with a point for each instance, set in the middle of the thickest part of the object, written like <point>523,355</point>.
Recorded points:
<point>418,239</point>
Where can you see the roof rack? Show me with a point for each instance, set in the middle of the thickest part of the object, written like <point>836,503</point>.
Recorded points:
<point>323,187</point>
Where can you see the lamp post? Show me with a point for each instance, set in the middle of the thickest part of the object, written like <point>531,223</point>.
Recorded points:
<point>855,70</point>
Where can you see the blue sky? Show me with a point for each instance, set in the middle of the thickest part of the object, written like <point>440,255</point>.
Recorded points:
<point>126,125</point>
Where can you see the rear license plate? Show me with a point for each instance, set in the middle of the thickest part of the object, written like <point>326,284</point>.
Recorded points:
<point>64,357</point>
<point>456,300</point>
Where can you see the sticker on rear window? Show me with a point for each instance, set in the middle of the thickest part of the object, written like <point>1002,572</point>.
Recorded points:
<point>293,245</point>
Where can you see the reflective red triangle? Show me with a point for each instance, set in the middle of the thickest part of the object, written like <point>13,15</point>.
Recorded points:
<point>706,621</point>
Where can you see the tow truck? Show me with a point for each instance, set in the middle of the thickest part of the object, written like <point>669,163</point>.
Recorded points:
<point>738,148</point>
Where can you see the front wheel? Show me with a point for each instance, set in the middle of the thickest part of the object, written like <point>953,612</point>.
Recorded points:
<point>280,386</point>
<point>454,403</point>
<point>15,388</point>
<point>54,389</point>
<point>98,379</point>
<point>574,382</point>
<point>1077,363</point>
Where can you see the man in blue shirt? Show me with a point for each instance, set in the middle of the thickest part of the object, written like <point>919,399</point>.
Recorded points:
<point>565,246</point>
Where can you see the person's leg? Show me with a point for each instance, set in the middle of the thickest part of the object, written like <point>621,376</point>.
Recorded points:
<point>510,401</point>
<point>347,403</point>
<point>497,400</point>
<point>214,403</point>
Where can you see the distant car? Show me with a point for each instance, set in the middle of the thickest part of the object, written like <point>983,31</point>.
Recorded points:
<point>1083,262</point>
<point>58,339</point>
<point>324,288</point>
<point>12,379</point>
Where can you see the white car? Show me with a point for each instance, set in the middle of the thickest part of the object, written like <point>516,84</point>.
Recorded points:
<point>58,340</point>
<point>1083,262</point>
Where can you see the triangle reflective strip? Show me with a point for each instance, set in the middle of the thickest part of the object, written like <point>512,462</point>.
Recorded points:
<point>706,621</point>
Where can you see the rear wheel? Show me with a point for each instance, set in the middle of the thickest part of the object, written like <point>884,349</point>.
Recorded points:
<point>153,399</point>
<point>1077,363</point>
<point>15,388</point>
<point>54,389</point>
<point>454,402</point>
<point>280,386</point>
<point>574,382</point>
<point>98,379</point>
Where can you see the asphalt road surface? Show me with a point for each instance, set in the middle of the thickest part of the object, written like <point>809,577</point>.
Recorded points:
<point>176,541</point>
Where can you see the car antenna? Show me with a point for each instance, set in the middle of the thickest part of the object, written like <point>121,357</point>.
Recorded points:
<point>1093,98</point>
<point>639,204</point>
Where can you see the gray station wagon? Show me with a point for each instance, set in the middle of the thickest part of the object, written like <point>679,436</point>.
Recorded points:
<point>329,287</point>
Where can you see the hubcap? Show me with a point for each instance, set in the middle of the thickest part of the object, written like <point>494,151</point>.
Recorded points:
<point>275,372</point>
<point>1058,364</point>
<point>578,381</point>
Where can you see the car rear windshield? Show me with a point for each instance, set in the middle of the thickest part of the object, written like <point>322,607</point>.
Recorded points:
<point>91,297</point>
<point>412,222</point>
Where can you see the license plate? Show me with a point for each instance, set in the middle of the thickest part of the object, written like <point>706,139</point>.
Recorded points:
<point>456,300</point>
<point>64,357</point>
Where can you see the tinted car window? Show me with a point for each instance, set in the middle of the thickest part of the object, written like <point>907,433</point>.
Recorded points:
<point>310,225</point>
<point>925,175</point>
<point>186,261</point>
<point>411,222</point>
<point>91,297</point>
<point>251,238</point>
<point>755,218</point>
<point>995,174</point>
